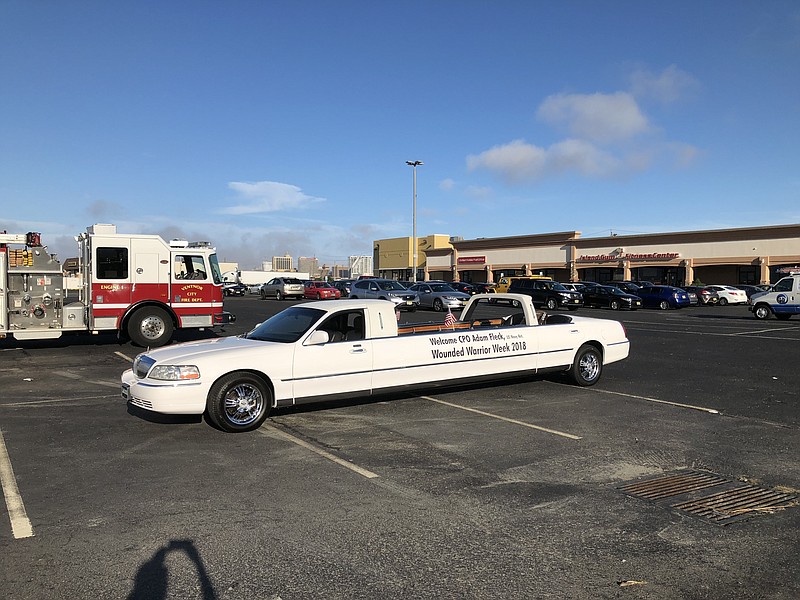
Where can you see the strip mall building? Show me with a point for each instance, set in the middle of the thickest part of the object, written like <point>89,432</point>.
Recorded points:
<point>723,256</point>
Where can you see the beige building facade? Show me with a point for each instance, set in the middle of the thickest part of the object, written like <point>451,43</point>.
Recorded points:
<point>393,259</point>
<point>723,256</point>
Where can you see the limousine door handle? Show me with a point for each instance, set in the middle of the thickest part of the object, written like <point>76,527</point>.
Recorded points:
<point>573,331</point>
<point>357,349</point>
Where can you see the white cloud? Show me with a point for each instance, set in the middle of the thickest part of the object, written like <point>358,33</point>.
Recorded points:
<point>519,161</point>
<point>596,117</point>
<point>447,184</point>
<point>683,154</point>
<point>515,161</point>
<point>479,192</point>
<point>583,157</point>
<point>668,86</point>
<point>268,196</point>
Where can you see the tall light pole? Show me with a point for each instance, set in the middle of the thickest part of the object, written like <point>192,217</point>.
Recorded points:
<point>414,164</point>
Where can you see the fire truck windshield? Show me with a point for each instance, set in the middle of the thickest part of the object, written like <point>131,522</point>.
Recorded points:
<point>215,271</point>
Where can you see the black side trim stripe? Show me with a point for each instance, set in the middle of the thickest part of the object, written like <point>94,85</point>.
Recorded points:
<point>424,365</point>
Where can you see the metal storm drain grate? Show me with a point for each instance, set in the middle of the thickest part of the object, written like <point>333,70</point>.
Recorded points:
<point>709,496</point>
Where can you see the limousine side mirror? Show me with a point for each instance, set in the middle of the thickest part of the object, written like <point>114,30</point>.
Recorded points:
<point>318,337</point>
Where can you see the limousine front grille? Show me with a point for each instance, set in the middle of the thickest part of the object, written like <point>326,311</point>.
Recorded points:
<point>142,403</point>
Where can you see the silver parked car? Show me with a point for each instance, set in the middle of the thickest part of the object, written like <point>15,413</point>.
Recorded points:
<point>385,289</point>
<point>282,287</point>
<point>439,296</point>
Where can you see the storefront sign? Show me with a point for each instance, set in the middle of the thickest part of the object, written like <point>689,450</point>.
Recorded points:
<point>628,256</point>
<point>466,260</point>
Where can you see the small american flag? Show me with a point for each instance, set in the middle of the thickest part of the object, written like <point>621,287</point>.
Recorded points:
<point>450,319</point>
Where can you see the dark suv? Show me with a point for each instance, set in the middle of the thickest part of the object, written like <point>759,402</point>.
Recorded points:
<point>547,293</point>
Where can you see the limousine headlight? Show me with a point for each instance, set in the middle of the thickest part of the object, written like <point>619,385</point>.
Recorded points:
<point>175,372</point>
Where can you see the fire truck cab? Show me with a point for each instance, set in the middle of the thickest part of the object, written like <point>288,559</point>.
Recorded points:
<point>136,284</point>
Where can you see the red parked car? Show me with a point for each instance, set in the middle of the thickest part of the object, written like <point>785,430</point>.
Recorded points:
<point>320,290</point>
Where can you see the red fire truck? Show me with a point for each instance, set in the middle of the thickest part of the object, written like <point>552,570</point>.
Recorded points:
<point>135,284</point>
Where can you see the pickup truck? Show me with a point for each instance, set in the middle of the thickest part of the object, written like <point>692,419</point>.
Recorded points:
<point>338,349</point>
<point>783,300</point>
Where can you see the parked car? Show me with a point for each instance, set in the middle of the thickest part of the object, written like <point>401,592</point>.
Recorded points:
<point>329,350</point>
<point>729,294</point>
<point>320,290</point>
<point>343,285</point>
<point>754,289</point>
<point>705,296</point>
<point>254,288</point>
<point>628,287</point>
<point>439,296</point>
<point>282,287</point>
<point>505,282</point>
<point>574,287</point>
<point>461,286</point>
<point>484,288</point>
<point>233,289</point>
<point>663,297</point>
<point>693,299</point>
<point>610,297</point>
<point>385,289</point>
<point>547,293</point>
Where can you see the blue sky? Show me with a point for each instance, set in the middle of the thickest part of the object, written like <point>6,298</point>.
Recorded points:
<point>269,127</point>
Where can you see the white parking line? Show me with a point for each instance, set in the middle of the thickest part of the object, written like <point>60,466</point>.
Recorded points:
<point>711,333</point>
<point>506,419</point>
<point>75,376</point>
<point>51,401</point>
<point>269,429</point>
<point>781,329</point>
<point>124,356</point>
<point>20,525</point>
<point>712,411</point>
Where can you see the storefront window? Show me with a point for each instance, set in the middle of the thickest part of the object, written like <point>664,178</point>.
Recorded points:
<point>748,275</point>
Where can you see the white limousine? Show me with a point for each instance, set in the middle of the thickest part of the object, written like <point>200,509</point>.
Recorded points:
<point>343,348</point>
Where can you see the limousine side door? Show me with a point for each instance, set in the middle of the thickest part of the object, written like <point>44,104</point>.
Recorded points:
<point>341,366</point>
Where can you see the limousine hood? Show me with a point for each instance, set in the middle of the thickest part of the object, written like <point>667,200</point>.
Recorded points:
<point>189,352</point>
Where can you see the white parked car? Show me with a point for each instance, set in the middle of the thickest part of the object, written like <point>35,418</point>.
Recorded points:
<point>729,294</point>
<point>344,348</point>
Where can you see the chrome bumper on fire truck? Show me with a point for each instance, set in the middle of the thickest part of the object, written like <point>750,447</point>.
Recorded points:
<point>224,318</point>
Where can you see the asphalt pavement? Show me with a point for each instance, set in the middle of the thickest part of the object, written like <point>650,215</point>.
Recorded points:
<point>507,490</point>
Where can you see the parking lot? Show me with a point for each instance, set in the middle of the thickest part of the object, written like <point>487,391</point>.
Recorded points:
<point>508,490</point>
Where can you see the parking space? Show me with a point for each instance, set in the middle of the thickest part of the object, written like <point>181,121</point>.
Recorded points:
<point>505,490</point>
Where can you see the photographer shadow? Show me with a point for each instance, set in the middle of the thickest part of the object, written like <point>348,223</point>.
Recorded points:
<point>152,579</point>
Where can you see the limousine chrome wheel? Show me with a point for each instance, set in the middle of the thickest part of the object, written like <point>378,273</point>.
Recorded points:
<point>587,366</point>
<point>238,402</point>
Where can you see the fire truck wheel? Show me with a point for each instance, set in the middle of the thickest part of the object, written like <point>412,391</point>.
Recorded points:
<point>150,326</point>
<point>238,402</point>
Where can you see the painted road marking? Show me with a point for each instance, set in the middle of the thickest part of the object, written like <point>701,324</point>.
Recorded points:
<point>124,356</point>
<point>712,411</point>
<point>69,375</point>
<point>711,333</point>
<point>506,419</point>
<point>20,525</point>
<point>269,429</point>
<point>57,401</point>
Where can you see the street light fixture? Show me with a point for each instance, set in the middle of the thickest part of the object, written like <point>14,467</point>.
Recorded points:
<point>414,164</point>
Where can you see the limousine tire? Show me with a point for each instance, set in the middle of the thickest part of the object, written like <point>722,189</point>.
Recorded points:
<point>238,402</point>
<point>587,367</point>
